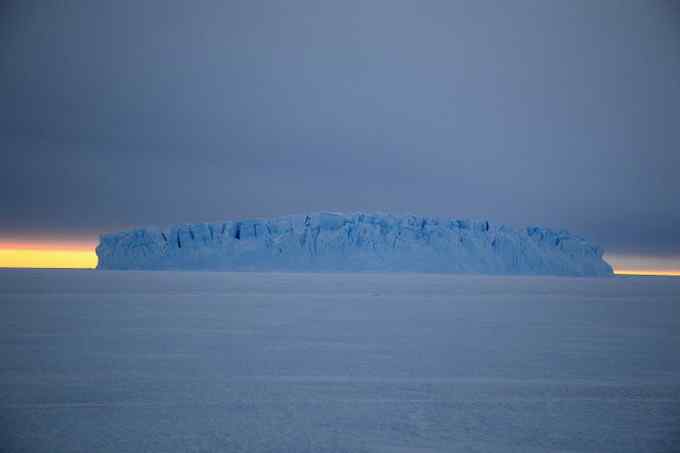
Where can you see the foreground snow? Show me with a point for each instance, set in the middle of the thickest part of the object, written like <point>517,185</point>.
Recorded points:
<point>243,362</point>
<point>357,242</point>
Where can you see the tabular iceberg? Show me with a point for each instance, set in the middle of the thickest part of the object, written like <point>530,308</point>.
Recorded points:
<point>327,242</point>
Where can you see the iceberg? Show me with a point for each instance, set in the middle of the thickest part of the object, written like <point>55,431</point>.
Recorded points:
<point>359,242</point>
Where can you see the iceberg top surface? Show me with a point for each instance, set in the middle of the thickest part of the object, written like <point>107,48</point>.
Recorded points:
<point>331,241</point>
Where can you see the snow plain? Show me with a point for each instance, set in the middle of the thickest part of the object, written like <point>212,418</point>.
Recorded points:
<point>255,362</point>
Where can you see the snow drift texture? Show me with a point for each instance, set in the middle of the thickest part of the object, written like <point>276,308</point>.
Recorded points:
<point>356,242</point>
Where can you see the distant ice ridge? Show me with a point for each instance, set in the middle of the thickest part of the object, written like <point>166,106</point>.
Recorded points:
<point>326,242</point>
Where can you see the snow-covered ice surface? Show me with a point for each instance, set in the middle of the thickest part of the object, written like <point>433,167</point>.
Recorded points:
<point>252,362</point>
<point>354,242</point>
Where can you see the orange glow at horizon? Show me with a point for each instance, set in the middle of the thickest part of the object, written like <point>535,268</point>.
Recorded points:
<point>51,255</point>
<point>632,264</point>
<point>645,272</point>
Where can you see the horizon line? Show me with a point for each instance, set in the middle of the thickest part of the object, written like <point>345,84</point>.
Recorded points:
<point>81,255</point>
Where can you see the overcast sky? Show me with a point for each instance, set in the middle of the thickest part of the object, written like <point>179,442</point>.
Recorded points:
<point>559,113</point>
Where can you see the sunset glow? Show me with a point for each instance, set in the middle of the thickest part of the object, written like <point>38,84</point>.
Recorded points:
<point>663,273</point>
<point>64,255</point>
<point>629,264</point>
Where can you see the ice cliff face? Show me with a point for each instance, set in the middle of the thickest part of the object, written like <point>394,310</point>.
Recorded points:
<point>355,242</point>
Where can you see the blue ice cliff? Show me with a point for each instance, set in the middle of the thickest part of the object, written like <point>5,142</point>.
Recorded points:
<point>354,242</point>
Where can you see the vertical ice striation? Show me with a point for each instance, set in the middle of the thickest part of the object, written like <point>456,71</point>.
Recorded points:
<point>354,242</point>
